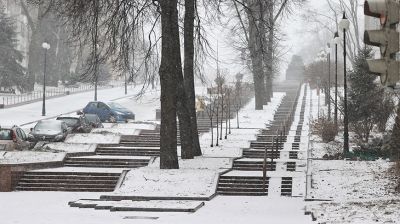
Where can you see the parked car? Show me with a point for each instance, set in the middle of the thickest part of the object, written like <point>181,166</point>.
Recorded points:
<point>49,130</point>
<point>94,120</point>
<point>13,138</point>
<point>109,112</point>
<point>76,123</point>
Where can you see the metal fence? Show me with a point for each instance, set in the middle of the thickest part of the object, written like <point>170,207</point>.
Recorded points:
<point>51,92</point>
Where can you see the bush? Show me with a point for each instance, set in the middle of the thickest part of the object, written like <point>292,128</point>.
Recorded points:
<point>333,151</point>
<point>325,129</point>
<point>375,148</point>
<point>397,174</point>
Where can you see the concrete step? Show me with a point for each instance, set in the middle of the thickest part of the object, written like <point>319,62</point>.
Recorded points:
<point>27,188</point>
<point>68,181</point>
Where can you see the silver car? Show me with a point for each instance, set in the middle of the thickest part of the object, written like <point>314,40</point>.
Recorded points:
<point>49,130</point>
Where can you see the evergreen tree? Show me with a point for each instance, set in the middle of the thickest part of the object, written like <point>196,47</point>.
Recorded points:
<point>367,104</point>
<point>11,71</point>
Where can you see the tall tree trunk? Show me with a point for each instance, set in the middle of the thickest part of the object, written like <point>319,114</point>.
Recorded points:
<point>256,55</point>
<point>33,59</point>
<point>262,29</point>
<point>395,139</point>
<point>170,66</point>
<point>189,72</point>
<point>270,50</point>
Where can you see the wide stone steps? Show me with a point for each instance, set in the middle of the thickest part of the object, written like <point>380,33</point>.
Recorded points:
<point>253,165</point>
<point>68,181</point>
<point>286,186</point>
<point>251,153</point>
<point>106,162</point>
<point>268,138</point>
<point>128,151</point>
<point>291,166</point>
<point>242,186</point>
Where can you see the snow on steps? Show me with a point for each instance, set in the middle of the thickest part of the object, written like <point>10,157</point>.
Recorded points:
<point>140,205</point>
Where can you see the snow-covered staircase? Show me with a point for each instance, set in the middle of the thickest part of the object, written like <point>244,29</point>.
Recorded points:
<point>246,178</point>
<point>68,181</point>
<point>242,185</point>
<point>107,161</point>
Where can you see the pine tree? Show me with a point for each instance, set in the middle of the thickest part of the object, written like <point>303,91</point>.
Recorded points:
<point>11,71</point>
<point>367,104</point>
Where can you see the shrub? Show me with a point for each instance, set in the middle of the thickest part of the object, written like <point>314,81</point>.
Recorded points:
<point>375,148</point>
<point>325,129</point>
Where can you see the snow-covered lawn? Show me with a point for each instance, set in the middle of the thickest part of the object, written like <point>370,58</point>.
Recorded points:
<point>93,138</point>
<point>340,180</point>
<point>210,163</point>
<point>126,128</point>
<point>70,147</point>
<point>357,191</point>
<point>21,157</point>
<point>250,123</point>
<point>154,182</point>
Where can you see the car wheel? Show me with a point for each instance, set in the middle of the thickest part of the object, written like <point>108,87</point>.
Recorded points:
<point>112,119</point>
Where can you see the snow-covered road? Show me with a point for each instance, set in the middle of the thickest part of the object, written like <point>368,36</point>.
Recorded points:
<point>32,112</point>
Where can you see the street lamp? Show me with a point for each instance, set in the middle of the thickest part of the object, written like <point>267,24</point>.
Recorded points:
<point>46,47</point>
<point>344,25</point>
<point>336,40</point>
<point>96,70</point>
<point>126,85</point>
<point>328,58</point>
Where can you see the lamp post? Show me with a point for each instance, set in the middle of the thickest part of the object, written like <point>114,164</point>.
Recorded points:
<point>336,40</point>
<point>96,69</point>
<point>328,58</point>
<point>126,85</point>
<point>46,47</point>
<point>344,25</point>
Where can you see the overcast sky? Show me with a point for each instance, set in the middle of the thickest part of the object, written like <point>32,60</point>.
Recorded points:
<point>293,27</point>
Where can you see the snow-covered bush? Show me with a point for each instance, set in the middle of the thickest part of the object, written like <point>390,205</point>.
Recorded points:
<point>326,129</point>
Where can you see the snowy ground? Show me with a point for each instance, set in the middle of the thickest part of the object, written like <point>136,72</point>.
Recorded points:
<point>355,191</point>
<point>195,178</point>
<point>154,182</point>
<point>52,207</point>
<point>9,157</point>
<point>93,138</point>
<point>126,128</point>
<point>250,122</point>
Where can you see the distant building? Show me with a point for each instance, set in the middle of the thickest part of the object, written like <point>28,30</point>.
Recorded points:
<point>295,70</point>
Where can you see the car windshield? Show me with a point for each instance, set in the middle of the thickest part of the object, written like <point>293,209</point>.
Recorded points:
<point>70,121</point>
<point>116,106</point>
<point>48,126</point>
<point>5,134</point>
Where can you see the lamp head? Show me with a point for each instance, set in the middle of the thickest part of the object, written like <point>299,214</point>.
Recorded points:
<point>344,23</point>
<point>336,38</point>
<point>45,45</point>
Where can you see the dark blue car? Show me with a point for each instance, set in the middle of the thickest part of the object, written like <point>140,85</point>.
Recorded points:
<point>109,112</point>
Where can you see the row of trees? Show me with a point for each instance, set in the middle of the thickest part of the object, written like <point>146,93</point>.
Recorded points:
<point>113,31</point>
<point>101,31</point>
<point>222,99</point>
<point>259,38</point>
<point>69,58</point>
<point>11,71</point>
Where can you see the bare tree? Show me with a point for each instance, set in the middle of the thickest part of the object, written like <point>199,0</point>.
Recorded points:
<point>330,23</point>
<point>210,109</point>
<point>238,97</point>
